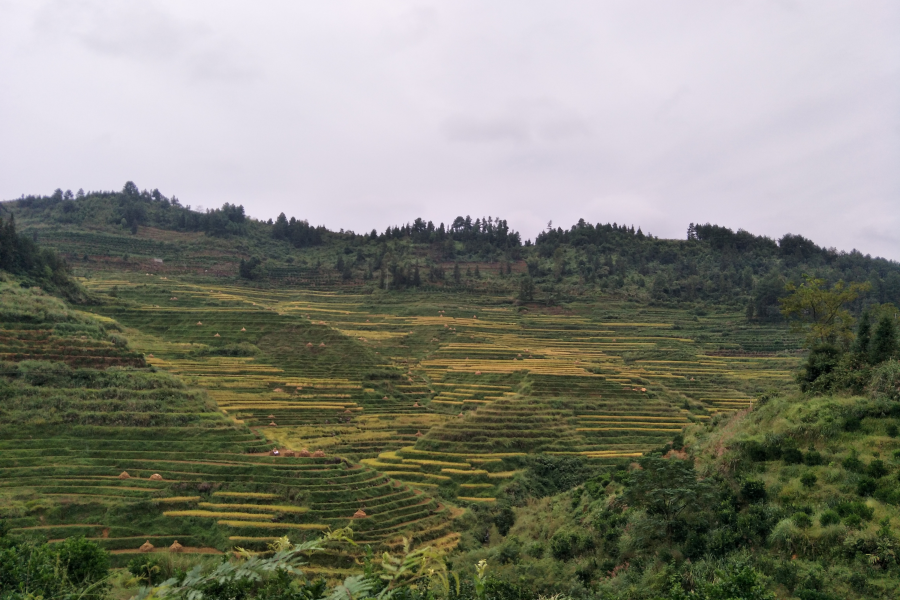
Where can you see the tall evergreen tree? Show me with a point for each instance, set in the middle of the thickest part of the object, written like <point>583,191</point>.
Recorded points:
<point>884,342</point>
<point>863,335</point>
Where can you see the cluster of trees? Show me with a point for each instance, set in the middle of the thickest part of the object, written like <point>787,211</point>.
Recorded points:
<point>299,233</point>
<point>714,264</point>
<point>840,358</point>
<point>132,208</point>
<point>22,256</point>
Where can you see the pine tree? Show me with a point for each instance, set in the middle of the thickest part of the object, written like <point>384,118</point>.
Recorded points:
<point>884,342</point>
<point>863,335</point>
<point>456,274</point>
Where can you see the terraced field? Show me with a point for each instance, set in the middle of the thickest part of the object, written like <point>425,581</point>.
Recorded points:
<point>127,454</point>
<point>447,392</point>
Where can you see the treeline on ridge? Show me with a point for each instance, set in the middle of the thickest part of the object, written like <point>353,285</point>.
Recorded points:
<point>713,263</point>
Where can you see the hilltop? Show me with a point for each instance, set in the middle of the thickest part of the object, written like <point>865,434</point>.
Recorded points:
<point>145,230</point>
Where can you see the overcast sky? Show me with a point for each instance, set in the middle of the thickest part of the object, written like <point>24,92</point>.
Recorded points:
<point>772,116</point>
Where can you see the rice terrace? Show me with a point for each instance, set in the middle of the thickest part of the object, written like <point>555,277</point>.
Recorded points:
<point>197,383</point>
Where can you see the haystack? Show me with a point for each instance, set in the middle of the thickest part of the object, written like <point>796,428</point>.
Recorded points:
<point>156,477</point>
<point>270,417</point>
<point>478,372</point>
<point>318,454</point>
<point>217,335</point>
<point>279,390</point>
<point>418,434</point>
<point>272,424</point>
<point>385,398</point>
<point>176,547</point>
<point>146,547</point>
<point>460,414</point>
<point>360,514</point>
<point>289,453</point>
<point>124,475</point>
<point>309,344</point>
<point>416,405</point>
<point>243,329</point>
<point>322,345</point>
<point>304,453</point>
<point>348,411</point>
<point>199,323</point>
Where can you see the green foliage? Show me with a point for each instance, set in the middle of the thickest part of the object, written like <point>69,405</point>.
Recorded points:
<point>823,310</point>
<point>669,489</point>
<point>885,382</point>
<point>884,342</point>
<point>21,255</point>
<point>75,568</point>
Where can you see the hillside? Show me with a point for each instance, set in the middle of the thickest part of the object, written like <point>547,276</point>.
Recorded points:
<point>96,442</point>
<point>455,385</point>
<point>798,495</point>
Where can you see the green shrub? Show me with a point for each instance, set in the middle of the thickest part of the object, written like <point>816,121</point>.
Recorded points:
<point>885,382</point>
<point>860,509</point>
<point>802,520</point>
<point>566,544</point>
<point>866,486</point>
<point>147,569</point>
<point>753,491</point>
<point>877,469</point>
<point>829,517</point>
<point>853,464</point>
<point>808,479</point>
<point>813,458</point>
<point>792,456</point>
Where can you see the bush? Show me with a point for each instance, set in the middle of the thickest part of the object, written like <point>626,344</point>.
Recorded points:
<point>792,456</point>
<point>813,458</point>
<point>753,491</point>
<point>853,464</point>
<point>147,569</point>
<point>566,544</point>
<point>866,486</point>
<point>808,480</point>
<point>829,517</point>
<point>802,520</point>
<point>876,469</point>
<point>885,382</point>
<point>846,509</point>
<point>504,519</point>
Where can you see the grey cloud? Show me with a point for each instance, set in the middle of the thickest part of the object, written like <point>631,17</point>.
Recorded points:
<point>773,115</point>
<point>146,31</point>
<point>469,129</point>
